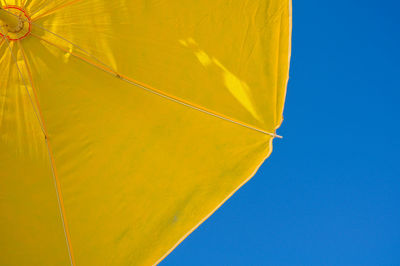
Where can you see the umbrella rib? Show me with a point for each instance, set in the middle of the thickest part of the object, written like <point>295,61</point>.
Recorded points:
<point>158,92</point>
<point>193,106</point>
<point>146,87</point>
<point>40,115</point>
<point>56,181</point>
<point>26,88</point>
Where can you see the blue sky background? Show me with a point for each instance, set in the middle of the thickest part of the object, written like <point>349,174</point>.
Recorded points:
<point>330,192</point>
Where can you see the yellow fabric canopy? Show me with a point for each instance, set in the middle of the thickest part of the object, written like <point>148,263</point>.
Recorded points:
<point>125,124</point>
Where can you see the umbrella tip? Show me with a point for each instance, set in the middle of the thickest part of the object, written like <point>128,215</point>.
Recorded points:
<point>14,23</point>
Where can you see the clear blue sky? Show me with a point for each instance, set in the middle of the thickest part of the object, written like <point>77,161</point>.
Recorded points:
<point>330,192</point>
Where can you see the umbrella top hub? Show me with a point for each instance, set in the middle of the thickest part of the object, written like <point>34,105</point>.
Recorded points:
<point>14,23</point>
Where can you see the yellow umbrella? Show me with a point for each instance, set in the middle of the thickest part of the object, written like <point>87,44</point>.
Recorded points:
<point>125,124</point>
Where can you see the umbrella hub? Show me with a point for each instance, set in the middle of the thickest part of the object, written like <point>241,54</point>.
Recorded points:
<point>14,23</point>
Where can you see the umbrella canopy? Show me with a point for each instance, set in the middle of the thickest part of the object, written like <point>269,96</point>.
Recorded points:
<point>125,124</point>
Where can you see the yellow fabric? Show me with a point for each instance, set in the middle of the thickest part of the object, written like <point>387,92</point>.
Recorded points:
<point>125,175</point>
